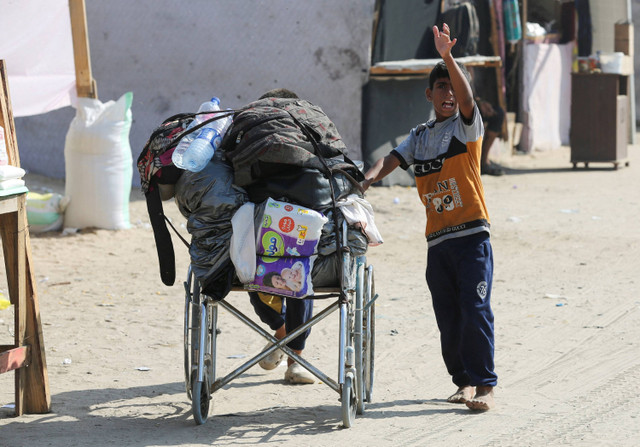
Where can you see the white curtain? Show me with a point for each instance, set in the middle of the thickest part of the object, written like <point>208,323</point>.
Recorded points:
<point>36,44</point>
<point>546,96</point>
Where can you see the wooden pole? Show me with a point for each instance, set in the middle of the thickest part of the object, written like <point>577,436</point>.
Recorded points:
<point>493,38</point>
<point>12,231</point>
<point>85,84</point>
<point>32,382</point>
<point>6,118</point>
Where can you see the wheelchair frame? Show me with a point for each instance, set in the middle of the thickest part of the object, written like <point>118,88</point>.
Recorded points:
<point>354,300</point>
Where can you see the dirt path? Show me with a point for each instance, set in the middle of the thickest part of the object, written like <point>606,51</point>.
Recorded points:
<point>566,298</point>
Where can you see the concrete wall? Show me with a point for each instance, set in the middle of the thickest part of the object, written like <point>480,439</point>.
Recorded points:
<point>174,55</point>
<point>603,15</point>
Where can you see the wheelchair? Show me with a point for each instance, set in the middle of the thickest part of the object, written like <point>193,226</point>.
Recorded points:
<point>353,297</point>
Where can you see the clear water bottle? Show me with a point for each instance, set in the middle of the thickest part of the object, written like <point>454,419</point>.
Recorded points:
<point>178,153</point>
<point>201,150</point>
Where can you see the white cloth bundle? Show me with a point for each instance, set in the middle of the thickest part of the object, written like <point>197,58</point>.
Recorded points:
<point>11,183</point>
<point>243,243</point>
<point>8,172</point>
<point>357,210</point>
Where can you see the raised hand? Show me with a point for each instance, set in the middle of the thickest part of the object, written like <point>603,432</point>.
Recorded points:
<point>443,40</point>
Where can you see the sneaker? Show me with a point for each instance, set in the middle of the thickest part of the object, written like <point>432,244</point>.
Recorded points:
<point>297,374</point>
<point>272,360</point>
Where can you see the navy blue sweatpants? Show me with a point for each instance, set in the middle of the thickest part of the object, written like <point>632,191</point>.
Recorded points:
<point>294,313</point>
<point>459,275</point>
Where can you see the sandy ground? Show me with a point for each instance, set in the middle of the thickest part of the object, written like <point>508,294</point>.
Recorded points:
<point>566,298</point>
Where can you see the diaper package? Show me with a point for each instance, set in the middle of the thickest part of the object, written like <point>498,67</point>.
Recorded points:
<point>287,230</point>
<point>283,276</point>
<point>45,212</point>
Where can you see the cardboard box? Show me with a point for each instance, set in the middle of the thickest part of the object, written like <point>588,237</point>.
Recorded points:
<point>617,63</point>
<point>624,38</point>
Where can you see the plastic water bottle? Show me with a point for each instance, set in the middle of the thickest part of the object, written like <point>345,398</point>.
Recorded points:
<point>203,147</point>
<point>178,153</point>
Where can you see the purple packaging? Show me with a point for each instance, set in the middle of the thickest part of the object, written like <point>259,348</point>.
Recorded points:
<point>283,276</point>
<point>288,230</point>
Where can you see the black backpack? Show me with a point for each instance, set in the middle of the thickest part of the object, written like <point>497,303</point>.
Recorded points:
<point>462,19</point>
<point>155,167</point>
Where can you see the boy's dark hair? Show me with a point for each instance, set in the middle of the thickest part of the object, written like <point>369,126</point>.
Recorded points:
<point>441,71</point>
<point>279,93</point>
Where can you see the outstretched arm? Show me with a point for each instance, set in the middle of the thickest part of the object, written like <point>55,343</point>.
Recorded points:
<point>380,170</point>
<point>461,87</point>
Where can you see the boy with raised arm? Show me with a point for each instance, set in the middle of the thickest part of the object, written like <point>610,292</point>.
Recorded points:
<point>445,153</point>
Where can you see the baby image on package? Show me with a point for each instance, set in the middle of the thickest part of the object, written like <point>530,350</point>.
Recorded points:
<point>287,230</point>
<point>283,276</point>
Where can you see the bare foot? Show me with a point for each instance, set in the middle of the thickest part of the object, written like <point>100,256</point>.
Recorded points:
<point>464,394</point>
<point>483,400</point>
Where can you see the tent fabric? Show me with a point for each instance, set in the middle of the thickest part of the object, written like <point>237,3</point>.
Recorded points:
<point>404,30</point>
<point>585,33</point>
<point>36,44</point>
<point>546,96</point>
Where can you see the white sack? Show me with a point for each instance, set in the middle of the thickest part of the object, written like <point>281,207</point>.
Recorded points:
<point>98,164</point>
<point>243,243</point>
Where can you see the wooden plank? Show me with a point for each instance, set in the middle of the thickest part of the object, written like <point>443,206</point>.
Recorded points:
<point>38,395</point>
<point>376,22</point>
<point>8,204</point>
<point>383,71</point>
<point>18,273</point>
<point>13,359</point>
<point>13,232</point>
<point>10,245</point>
<point>85,84</point>
<point>6,117</point>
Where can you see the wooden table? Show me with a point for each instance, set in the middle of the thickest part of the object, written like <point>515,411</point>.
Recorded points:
<point>26,356</point>
<point>599,118</point>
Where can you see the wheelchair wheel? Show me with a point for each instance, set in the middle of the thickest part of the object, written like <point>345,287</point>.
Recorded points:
<point>191,292</point>
<point>201,360</point>
<point>199,342</point>
<point>369,331</point>
<point>200,398</point>
<point>359,337</point>
<point>348,401</point>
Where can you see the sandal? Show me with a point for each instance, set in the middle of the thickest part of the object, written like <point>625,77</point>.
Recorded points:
<point>297,374</point>
<point>272,360</point>
<point>492,170</point>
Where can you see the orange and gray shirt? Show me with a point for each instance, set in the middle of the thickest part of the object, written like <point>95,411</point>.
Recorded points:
<point>446,163</point>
